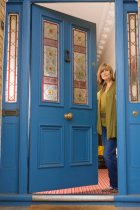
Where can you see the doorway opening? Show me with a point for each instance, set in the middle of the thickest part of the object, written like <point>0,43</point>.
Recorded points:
<point>103,15</point>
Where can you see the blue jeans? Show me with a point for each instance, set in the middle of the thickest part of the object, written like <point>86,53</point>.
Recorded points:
<point>110,146</point>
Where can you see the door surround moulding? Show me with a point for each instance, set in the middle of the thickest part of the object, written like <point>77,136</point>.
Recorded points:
<point>25,65</point>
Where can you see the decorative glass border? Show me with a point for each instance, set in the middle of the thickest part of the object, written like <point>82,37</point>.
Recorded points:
<point>80,67</point>
<point>50,70</point>
<point>133,56</point>
<point>12,59</point>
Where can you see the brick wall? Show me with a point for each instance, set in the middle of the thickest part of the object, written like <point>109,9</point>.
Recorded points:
<point>2,16</point>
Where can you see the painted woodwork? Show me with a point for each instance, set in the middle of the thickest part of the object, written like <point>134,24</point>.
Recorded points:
<point>127,152</point>
<point>9,165</point>
<point>132,97</point>
<point>62,145</point>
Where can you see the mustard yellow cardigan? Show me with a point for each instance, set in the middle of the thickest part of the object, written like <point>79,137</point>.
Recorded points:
<point>110,112</point>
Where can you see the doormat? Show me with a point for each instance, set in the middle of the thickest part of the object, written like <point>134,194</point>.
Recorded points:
<point>70,207</point>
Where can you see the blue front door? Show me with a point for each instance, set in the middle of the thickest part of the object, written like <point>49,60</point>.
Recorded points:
<point>132,79</point>
<point>63,139</point>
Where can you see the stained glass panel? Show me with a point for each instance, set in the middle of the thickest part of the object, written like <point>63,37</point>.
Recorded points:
<point>134,93</point>
<point>80,67</point>
<point>50,84</point>
<point>12,57</point>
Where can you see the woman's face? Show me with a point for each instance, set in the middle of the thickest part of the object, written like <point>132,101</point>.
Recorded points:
<point>106,75</point>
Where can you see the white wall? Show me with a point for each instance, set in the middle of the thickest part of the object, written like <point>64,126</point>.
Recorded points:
<point>99,13</point>
<point>108,55</point>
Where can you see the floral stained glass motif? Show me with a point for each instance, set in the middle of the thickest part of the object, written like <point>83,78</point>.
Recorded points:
<point>80,69</point>
<point>134,95</point>
<point>12,57</point>
<point>50,86</point>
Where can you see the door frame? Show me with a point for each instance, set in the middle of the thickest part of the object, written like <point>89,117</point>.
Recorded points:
<point>25,88</point>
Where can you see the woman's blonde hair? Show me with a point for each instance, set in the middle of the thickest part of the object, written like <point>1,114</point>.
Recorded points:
<point>101,68</point>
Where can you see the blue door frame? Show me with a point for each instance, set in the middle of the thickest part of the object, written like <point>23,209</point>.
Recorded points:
<point>24,101</point>
<point>120,94</point>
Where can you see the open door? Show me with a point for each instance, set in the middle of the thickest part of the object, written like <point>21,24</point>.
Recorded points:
<point>63,138</point>
<point>132,87</point>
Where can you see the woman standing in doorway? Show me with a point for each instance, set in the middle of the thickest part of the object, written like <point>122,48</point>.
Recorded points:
<point>106,125</point>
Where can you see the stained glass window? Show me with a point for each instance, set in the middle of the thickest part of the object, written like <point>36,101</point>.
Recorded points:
<point>134,92</point>
<point>12,57</point>
<point>50,77</point>
<point>80,67</point>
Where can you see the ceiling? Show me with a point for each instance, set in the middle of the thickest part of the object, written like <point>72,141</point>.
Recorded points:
<point>100,13</point>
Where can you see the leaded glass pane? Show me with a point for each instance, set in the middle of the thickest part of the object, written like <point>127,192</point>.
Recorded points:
<point>134,93</point>
<point>80,67</point>
<point>12,57</point>
<point>50,77</point>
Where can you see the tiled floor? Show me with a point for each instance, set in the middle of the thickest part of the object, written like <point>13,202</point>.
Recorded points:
<point>92,189</point>
<point>95,189</point>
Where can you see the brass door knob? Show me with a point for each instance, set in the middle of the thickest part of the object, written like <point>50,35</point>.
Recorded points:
<point>68,116</point>
<point>135,113</point>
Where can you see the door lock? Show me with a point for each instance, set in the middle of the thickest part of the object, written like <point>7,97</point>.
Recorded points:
<point>67,56</point>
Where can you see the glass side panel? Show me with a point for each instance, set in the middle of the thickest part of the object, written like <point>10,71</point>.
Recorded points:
<point>12,57</point>
<point>134,89</point>
<point>80,67</point>
<point>50,77</point>
<point>2,21</point>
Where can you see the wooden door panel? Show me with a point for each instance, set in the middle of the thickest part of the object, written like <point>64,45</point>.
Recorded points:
<point>63,151</point>
<point>132,97</point>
